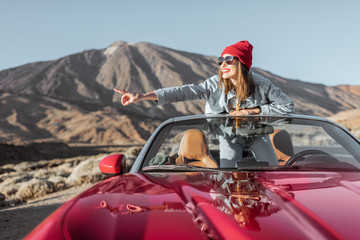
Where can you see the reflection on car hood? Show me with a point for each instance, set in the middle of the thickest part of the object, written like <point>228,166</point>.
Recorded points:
<point>219,205</point>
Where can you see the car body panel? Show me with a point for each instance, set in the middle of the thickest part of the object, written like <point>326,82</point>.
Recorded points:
<point>193,203</point>
<point>197,205</point>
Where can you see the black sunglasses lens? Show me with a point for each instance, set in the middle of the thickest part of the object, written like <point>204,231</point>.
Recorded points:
<point>228,59</point>
<point>220,60</point>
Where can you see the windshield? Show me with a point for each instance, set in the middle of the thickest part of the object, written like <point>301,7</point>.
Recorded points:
<point>254,143</point>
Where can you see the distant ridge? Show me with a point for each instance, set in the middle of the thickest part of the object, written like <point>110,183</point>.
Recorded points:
<point>71,99</point>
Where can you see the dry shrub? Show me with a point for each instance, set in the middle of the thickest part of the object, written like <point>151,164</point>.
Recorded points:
<point>59,182</point>
<point>85,172</point>
<point>23,166</point>
<point>10,185</point>
<point>64,168</point>
<point>133,152</point>
<point>34,188</point>
<point>42,173</point>
<point>27,181</point>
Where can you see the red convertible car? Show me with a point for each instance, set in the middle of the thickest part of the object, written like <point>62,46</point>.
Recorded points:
<point>224,177</point>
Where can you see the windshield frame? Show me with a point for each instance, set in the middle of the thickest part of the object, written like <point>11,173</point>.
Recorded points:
<point>157,138</point>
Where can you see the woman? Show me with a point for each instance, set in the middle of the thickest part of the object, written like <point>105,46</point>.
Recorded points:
<point>235,90</point>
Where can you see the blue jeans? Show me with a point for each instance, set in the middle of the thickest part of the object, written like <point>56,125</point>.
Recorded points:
<point>231,150</point>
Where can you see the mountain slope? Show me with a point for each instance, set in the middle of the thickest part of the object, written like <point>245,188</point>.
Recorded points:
<point>71,99</point>
<point>316,99</point>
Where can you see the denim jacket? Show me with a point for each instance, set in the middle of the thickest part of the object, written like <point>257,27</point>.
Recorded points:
<point>267,96</point>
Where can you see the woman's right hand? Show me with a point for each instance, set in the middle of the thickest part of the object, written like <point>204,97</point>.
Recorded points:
<point>135,209</point>
<point>129,97</point>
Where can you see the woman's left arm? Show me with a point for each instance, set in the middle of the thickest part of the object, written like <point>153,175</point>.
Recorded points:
<point>279,102</point>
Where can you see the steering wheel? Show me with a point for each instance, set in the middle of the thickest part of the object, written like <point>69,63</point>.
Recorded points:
<point>304,153</point>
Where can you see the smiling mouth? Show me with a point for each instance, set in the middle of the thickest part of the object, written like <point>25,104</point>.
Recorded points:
<point>225,70</point>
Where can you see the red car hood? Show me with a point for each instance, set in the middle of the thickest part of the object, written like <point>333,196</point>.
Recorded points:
<point>218,205</point>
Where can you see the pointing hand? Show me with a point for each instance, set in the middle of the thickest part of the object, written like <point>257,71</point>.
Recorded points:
<point>128,97</point>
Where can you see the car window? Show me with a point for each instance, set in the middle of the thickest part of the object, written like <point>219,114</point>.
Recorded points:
<point>257,143</point>
<point>309,137</point>
<point>171,145</point>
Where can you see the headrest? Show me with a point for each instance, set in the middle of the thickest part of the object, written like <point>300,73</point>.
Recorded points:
<point>282,143</point>
<point>193,145</point>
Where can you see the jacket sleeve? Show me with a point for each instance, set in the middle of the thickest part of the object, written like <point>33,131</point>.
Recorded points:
<point>279,102</point>
<point>187,92</point>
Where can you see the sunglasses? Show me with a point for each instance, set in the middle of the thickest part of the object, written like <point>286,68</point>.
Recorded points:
<point>228,59</point>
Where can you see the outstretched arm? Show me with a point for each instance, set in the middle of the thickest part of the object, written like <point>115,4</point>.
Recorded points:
<point>130,97</point>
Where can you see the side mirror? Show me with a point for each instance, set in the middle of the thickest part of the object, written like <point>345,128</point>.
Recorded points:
<point>113,164</point>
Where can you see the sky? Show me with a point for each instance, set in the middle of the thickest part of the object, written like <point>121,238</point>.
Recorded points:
<point>315,41</point>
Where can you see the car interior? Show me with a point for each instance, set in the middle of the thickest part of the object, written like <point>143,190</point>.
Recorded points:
<point>194,150</point>
<point>288,145</point>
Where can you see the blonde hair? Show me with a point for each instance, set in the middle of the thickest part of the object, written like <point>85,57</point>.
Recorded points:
<point>245,86</point>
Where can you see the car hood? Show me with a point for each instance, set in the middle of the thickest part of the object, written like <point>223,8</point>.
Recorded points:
<point>218,205</point>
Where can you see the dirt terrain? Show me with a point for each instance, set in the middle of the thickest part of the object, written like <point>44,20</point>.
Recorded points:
<point>31,190</point>
<point>17,221</point>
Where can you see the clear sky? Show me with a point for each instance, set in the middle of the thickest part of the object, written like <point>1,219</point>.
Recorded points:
<point>310,40</point>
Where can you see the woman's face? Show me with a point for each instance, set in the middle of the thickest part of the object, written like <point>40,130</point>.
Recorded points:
<point>229,71</point>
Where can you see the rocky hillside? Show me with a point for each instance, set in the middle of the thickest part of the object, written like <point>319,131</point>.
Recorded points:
<point>71,99</point>
<point>317,99</point>
<point>349,119</point>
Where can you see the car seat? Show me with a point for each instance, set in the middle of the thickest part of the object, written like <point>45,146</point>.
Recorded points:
<point>194,150</point>
<point>282,144</point>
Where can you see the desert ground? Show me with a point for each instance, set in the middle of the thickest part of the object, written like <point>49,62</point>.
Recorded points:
<point>31,190</point>
<point>17,221</point>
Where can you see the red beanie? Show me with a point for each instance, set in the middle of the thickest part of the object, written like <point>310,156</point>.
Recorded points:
<point>242,50</point>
